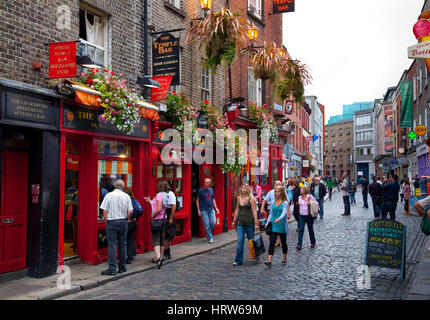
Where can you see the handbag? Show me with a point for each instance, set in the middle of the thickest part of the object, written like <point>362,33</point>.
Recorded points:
<point>252,254</point>
<point>157,225</point>
<point>269,228</point>
<point>425,224</point>
<point>258,245</point>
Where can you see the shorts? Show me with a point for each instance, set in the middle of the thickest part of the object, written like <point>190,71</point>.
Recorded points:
<point>159,237</point>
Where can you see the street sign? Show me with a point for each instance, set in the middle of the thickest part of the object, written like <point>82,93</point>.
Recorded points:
<point>420,50</point>
<point>386,245</point>
<point>305,163</point>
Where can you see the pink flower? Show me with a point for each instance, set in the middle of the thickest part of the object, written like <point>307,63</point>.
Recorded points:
<point>107,101</point>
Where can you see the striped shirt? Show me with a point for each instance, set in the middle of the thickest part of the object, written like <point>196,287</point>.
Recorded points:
<point>117,204</point>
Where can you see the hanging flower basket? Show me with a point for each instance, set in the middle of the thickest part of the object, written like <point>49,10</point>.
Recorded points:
<point>261,116</point>
<point>220,34</point>
<point>267,62</point>
<point>215,118</point>
<point>240,158</point>
<point>119,102</point>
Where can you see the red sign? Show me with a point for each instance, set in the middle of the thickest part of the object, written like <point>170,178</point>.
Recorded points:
<point>62,59</point>
<point>288,106</point>
<point>158,94</point>
<point>281,6</point>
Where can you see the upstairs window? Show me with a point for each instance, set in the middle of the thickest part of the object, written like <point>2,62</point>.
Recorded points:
<point>254,88</point>
<point>206,85</point>
<point>175,3</point>
<point>254,7</point>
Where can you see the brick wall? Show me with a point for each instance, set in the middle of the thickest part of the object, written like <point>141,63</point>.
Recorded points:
<point>345,153</point>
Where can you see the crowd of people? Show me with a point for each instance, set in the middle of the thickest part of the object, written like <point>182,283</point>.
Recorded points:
<point>299,196</point>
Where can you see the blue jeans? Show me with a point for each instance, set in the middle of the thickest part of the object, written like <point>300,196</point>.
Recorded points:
<point>241,230</point>
<point>376,208</point>
<point>116,232</point>
<point>389,207</point>
<point>310,222</point>
<point>347,205</point>
<point>209,221</point>
<point>365,200</point>
<point>321,204</point>
<point>352,197</point>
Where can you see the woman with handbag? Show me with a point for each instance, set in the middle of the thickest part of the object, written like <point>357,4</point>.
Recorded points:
<point>305,217</point>
<point>158,223</point>
<point>278,217</point>
<point>245,217</point>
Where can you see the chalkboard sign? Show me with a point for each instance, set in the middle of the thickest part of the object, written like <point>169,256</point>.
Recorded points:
<point>386,244</point>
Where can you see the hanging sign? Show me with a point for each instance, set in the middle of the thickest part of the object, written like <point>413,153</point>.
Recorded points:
<point>386,245</point>
<point>165,57</point>
<point>158,94</point>
<point>62,60</point>
<point>421,50</point>
<point>281,6</point>
<point>288,107</point>
<point>406,93</point>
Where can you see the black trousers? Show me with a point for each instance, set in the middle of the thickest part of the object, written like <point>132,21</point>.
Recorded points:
<point>131,237</point>
<point>273,238</point>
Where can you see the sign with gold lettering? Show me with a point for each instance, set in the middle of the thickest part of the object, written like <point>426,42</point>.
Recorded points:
<point>281,6</point>
<point>165,57</point>
<point>386,244</point>
<point>87,119</point>
<point>29,110</point>
<point>62,59</point>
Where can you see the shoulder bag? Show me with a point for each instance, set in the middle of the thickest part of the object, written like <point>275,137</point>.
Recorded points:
<point>157,225</point>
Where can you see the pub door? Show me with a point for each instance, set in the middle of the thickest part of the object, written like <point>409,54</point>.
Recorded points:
<point>13,210</point>
<point>195,185</point>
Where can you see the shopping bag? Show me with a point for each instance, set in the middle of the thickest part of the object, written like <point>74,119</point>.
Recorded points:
<point>259,245</point>
<point>262,222</point>
<point>252,255</point>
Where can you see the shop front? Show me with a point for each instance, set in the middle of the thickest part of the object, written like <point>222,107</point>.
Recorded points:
<point>423,160</point>
<point>93,156</point>
<point>29,149</point>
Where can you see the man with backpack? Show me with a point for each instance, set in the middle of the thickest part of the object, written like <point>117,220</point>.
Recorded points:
<point>171,205</point>
<point>345,196</point>
<point>352,189</point>
<point>131,226</point>
<point>375,191</point>
<point>318,191</point>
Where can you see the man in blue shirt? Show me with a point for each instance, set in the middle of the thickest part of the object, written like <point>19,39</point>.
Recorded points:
<point>205,206</point>
<point>364,190</point>
<point>318,191</point>
<point>390,197</point>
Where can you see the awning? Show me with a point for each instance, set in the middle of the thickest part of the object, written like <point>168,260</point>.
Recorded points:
<point>91,97</point>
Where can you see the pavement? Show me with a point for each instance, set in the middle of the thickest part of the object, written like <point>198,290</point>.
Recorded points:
<point>420,289</point>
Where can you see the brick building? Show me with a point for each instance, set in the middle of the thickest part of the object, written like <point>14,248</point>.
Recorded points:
<point>338,148</point>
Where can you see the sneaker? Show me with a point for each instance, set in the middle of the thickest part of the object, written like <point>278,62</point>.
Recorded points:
<point>235,264</point>
<point>298,248</point>
<point>122,270</point>
<point>321,218</point>
<point>211,240</point>
<point>108,273</point>
<point>267,263</point>
<point>313,246</point>
<point>284,263</point>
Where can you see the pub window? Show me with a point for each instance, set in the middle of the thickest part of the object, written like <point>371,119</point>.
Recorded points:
<point>254,88</point>
<point>254,7</point>
<point>206,85</point>
<point>93,35</point>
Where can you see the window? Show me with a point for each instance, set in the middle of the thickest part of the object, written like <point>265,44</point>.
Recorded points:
<point>348,143</point>
<point>348,131</point>
<point>334,159</point>
<point>420,81</point>
<point>333,132</point>
<point>326,147</point>
<point>254,88</point>
<point>340,131</point>
<point>93,36</point>
<point>340,145</point>
<point>175,3</point>
<point>360,151</point>
<point>414,88</point>
<point>364,120</point>
<point>364,136</point>
<point>326,134</point>
<point>369,151</point>
<point>340,159</point>
<point>206,85</point>
<point>254,6</point>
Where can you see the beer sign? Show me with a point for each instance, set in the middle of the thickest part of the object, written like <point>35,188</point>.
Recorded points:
<point>165,57</point>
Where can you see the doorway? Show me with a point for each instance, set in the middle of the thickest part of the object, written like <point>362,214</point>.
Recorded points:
<point>195,186</point>
<point>13,210</point>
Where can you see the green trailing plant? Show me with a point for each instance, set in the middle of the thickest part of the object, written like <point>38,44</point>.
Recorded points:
<point>263,118</point>
<point>221,34</point>
<point>215,118</point>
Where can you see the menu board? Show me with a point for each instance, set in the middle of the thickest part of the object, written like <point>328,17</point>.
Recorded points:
<point>386,244</point>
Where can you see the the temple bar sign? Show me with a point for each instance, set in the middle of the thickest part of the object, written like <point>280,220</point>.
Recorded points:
<point>165,57</point>
<point>281,6</point>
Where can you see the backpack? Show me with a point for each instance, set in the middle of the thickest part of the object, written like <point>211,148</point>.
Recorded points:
<point>137,208</point>
<point>349,186</point>
<point>166,200</point>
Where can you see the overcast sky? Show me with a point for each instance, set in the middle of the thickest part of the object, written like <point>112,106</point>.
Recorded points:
<point>355,50</point>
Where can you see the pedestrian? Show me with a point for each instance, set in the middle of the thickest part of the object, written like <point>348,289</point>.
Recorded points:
<point>318,191</point>
<point>245,219</point>
<point>295,200</point>
<point>158,213</point>
<point>390,197</point>
<point>364,191</point>
<point>375,191</point>
<point>206,208</point>
<point>352,191</point>
<point>131,226</point>
<point>117,208</point>
<point>345,196</point>
<point>406,195</point>
<point>256,192</point>
<point>270,199</point>
<point>402,184</point>
<point>279,215</point>
<point>422,206</point>
<point>170,214</point>
<point>305,217</point>
<point>329,187</point>
<point>416,184</point>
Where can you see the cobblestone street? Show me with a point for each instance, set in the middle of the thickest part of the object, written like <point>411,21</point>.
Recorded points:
<point>327,272</point>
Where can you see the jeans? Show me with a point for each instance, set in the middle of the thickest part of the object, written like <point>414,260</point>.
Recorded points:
<point>330,190</point>
<point>347,205</point>
<point>310,222</point>
<point>116,232</point>
<point>321,204</point>
<point>273,237</point>
<point>209,221</point>
<point>131,237</point>
<point>376,208</point>
<point>389,207</point>
<point>352,197</point>
<point>365,204</point>
<point>241,230</point>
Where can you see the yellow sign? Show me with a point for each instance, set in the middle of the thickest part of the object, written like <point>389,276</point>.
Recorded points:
<point>420,130</point>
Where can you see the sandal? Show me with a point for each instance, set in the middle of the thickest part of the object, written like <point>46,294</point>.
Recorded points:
<point>154,260</point>
<point>284,262</point>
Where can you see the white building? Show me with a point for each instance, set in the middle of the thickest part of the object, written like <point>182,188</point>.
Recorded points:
<point>364,144</point>
<point>316,127</point>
